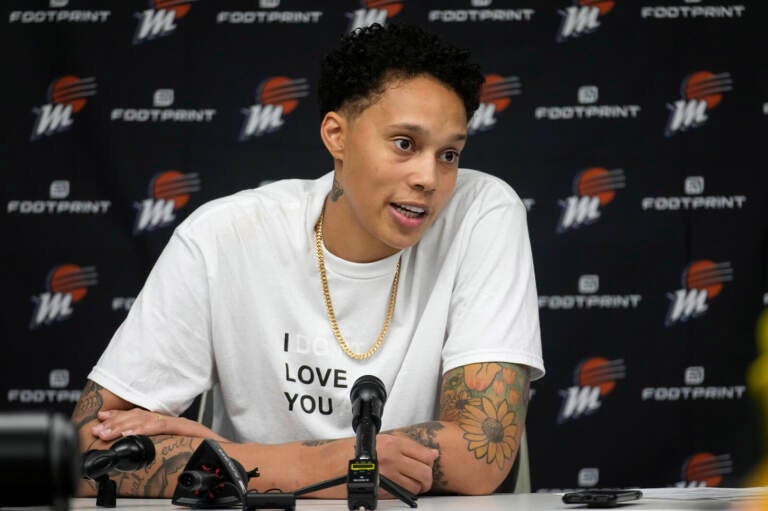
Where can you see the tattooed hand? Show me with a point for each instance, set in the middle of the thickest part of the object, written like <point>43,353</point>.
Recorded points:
<point>137,421</point>
<point>101,417</point>
<point>406,462</point>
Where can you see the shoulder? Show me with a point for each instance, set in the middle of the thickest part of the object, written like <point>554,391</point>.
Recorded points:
<point>477,193</point>
<point>263,206</point>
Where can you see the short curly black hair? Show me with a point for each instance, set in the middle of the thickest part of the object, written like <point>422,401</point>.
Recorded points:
<point>358,70</point>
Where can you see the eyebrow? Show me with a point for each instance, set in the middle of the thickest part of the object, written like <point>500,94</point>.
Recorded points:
<point>415,128</point>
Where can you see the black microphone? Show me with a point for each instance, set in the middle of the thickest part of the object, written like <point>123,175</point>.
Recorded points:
<point>368,396</point>
<point>129,453</point>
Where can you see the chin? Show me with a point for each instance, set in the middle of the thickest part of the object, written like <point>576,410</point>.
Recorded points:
<point>402,244</point>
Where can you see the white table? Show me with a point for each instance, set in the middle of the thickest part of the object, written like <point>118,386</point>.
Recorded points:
<point>497,502</point>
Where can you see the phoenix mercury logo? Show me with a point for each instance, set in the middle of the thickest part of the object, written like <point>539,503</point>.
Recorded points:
<point>168,192</point>
<point>66,96</point>
<point>275,97</point>
<point>705,469</point>
<point>494,97</point>
<point>700,91</point>
<point>593,379</point>
<point>373,11</point>
<point>65,285</point>
<point>583,17</point>
<point>702,280</point>
<point>592,188</point>
<point>159,19</point>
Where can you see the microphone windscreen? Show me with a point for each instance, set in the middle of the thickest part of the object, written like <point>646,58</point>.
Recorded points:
<point>134,452</point>
<point>367,384</point>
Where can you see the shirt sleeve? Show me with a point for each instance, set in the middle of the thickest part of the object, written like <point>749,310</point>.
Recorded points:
<point>160,357</point>
<point>494,313</point>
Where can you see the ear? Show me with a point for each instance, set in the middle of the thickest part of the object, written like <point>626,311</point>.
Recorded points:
<point>333,130</point>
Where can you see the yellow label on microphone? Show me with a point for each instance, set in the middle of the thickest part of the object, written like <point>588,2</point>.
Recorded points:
<point>362,466</point>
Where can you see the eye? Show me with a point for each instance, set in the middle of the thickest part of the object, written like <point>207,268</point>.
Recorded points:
<point>450,157</point>
<point>404,144</point>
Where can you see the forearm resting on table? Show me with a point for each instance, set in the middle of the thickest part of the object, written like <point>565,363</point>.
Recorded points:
<point>436,456</point>
<point>294,465</point>
<point>286,467</point>
<point>469,451</point>
<point>461,468</point>
<point>102,418</point>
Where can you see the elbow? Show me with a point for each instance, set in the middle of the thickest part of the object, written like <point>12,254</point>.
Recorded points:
<point>484,481</point>
<point>482,488</point>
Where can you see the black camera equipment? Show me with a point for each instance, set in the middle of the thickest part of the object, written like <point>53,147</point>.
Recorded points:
<point>368,396</point>
<point>130,453</point>
<point>39,460</point>
<point>211,479</point>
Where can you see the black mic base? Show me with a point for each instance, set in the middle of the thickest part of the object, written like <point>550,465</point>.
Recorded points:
<point>362,493</point>
<point>398,491</point>
<point>330,483</point>
<point>106,495</point>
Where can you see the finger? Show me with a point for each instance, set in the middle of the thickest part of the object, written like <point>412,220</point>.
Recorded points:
<point>113,420</point>
<point>415,450</point>
<point>142,422</point>
<point>106,414</point>
<point>121,421</point>
<point>105,433</point>
<point>420,473</point>
<point>102,429</point>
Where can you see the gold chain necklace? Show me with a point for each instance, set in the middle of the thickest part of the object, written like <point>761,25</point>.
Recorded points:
<point>329,305</point>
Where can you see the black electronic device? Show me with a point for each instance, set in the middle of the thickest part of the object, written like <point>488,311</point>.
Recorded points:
<point>127,454</point>
<point>211,479</point>
<point>39,460</point>
<point>601,497</point>
<point>368,395</point>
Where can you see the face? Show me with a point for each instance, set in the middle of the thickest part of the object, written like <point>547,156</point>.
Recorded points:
<point>396,165</point>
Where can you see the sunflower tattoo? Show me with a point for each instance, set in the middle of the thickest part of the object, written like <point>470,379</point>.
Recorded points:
<point>489,401</point>
<point>490,431</point>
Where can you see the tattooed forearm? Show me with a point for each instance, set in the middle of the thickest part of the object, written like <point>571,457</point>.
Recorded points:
<point>315,443</point>
<point>89,404</point>
<point>158,479</point>
<point>159,482</point>
<point>336,191</point>
<point>426,434</point>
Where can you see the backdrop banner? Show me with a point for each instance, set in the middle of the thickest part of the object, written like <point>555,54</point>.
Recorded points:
<point>634,132</point>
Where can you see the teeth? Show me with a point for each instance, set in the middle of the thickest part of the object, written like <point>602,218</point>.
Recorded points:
<point>412,209</point>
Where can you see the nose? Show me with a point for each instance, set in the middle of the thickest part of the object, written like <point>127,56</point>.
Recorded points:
<point>424,174</point>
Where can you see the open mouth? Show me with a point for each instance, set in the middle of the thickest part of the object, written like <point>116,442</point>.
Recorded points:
<point>410,211</point>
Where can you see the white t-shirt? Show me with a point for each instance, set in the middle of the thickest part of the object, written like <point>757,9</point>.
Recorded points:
<point>235,301</point>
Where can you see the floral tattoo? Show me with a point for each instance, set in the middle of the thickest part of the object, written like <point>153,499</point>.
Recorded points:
<point>489,402</point>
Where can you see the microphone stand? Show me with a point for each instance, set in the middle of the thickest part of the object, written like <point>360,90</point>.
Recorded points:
<point>130,453</point>
<point>395,489</point>
<point>363,476</point>
<point>107,491</point>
